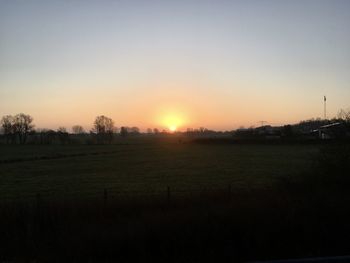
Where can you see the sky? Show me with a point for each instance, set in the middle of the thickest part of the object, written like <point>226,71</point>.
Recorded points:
<point>215,64</point>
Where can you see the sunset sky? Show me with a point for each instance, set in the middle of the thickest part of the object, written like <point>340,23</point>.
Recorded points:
<point>217,64</point>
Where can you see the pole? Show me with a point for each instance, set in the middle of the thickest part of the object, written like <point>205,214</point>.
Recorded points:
<point>325,107</point>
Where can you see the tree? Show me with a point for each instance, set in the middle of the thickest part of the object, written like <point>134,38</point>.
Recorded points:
<point>103,124</point>
<point>62,130</point>
<point>149,131</point>
<point>123,131</point>
<point>7,125</point>
<point>46,136</point>
<point>22,126</point>
<point>134,130</point>
<point>77,129</point>
<point>104,127</point>
<point>344,115</point>
<point>63,135</point>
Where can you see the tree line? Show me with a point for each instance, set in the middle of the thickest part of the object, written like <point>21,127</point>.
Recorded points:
<point>16,130</point>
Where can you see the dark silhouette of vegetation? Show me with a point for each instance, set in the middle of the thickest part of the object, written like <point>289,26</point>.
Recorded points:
<point>288,131</point>
<point>19,129</point>
<point>7,124</point>
<point>16,128</point>
<point>123,131</point>
<point>63,135</point>
<point>46,136</point>
<point>134,130</point>
<point>344,115</point>
<point>23,126</point>
<point>78,129</point>
<point>104,128</point>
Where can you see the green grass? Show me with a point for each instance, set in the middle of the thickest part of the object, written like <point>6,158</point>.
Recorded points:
<point>146,168</point>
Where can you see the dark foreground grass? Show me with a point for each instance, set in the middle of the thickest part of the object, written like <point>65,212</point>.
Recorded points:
<point>287,223</point>
<point>290,218</point>
<point>84,171</point>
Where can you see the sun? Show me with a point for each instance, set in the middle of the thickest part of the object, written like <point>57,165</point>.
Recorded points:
<point>172,121</point>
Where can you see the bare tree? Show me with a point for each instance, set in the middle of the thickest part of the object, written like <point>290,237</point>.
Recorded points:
<point>104,127</point>
<point>103,124</point>
<point>62,130</point>
<point>344,115</point>
<point>22,126</point>
<point>19,125</point>
<point>77,129</point>
<point>7,125</point>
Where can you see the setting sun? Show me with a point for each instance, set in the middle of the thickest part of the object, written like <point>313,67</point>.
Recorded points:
<point>173,121</point>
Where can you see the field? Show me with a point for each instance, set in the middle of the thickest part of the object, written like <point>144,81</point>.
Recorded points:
<point>170,200</point>
<point>146,168</point>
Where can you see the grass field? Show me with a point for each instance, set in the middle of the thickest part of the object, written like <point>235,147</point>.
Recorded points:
<point>146,168</point>
<point>227,203</point>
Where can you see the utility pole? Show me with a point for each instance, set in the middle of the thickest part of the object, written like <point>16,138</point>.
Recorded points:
<point>325,107</point>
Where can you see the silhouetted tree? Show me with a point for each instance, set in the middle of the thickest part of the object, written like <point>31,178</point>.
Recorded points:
<point>7,125</point>
<point>149,131</point>
<point>103,124</point>
<point>41,133</point>
<point>344,115</point>
<point>202,129</point>
<point>47,136</point>
<point>104,127</point>
<point>123,131</point>
<point>77,129</point>
<point>155,131</point>
<point>134,130</point>
<point>62,130</point>
<point>63,135</point>
<point>22,126</point>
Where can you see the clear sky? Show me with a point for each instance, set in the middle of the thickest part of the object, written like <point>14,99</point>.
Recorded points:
<point>217,64</point>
